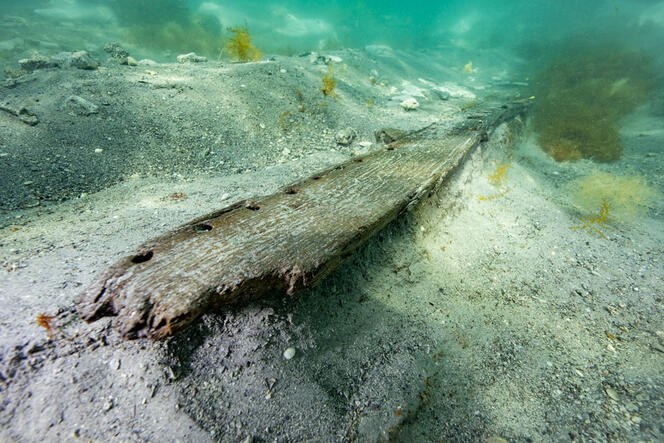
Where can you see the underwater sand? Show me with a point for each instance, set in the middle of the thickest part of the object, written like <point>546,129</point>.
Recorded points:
<point>464,319</point>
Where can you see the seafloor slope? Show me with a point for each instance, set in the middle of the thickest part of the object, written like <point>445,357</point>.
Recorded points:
<point>480,314</point>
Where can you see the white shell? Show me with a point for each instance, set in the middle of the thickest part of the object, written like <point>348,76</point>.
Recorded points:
<point>410,104</point>
<point>289,353</point>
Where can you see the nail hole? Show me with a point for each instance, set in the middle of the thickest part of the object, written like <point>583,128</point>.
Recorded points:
<point>317,177</point>
<point>203,227</point>
<point>252,205</point>
<point>390,148</point>
<point>358,160</point>
<point>291,191</point>
<point>142,258</point>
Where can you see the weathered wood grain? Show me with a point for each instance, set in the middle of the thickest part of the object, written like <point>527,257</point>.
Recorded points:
<point>287,240</point>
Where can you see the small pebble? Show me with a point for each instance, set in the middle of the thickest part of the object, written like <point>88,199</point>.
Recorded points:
<point>289,353</point>
<point>108,405</point>
<point>611,393</point>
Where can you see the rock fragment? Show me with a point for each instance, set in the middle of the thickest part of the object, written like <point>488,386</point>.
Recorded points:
<point>192,57</point>
<point>36,62</point>
<point>78,59</point>
<point>79,106</point>
<point>345,137</point>
<point>24,114</point>
<point>442,94</point>
<point>27,116</point>
<point>117,52</point>
<point>319,59</point>
<point>389,135</point>
<point>83,60</point>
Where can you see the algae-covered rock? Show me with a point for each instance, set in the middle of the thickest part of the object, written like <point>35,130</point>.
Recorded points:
<point>117,52</point>
<point>36,62</point>
<point>78,59</point>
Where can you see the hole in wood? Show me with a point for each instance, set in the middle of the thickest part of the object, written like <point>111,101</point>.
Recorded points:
<point>390,148</point>
<point>358,160</point>
<point>142,258</point>
<point>252,205</point>
<point>291,191</point>
<point>203,227</point>
<point>317,177</point>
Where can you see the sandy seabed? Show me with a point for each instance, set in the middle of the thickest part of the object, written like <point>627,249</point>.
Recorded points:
<point>480,315</point>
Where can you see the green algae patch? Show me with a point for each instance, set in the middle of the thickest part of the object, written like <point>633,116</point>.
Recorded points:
<point>581,99</point>
<point>168,26</point>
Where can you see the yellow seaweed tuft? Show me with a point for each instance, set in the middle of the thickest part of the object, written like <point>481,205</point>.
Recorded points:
<point>599,223</point>
<point>329,83</point>
<point>240,47</point>
<point>498,179</point>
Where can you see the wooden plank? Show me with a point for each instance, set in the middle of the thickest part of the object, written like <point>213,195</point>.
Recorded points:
<point>287,240</point>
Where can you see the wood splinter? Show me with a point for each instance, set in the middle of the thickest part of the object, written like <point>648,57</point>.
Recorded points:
<point>284,241</point>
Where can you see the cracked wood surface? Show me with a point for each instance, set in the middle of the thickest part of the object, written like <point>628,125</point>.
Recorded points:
<point>288,240</point>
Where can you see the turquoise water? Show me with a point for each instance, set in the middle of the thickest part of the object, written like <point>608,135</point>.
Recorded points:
<point>292,26</point>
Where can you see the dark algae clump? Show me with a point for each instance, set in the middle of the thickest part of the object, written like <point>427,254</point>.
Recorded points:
<point>167,25</point>
<point>581,99</point>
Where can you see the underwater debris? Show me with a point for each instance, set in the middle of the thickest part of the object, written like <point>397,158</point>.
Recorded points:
<point>599,223</point>
<point>240,46</point>
<point>468,68</point>
<point>293,262</point>
<point>329,83</point>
